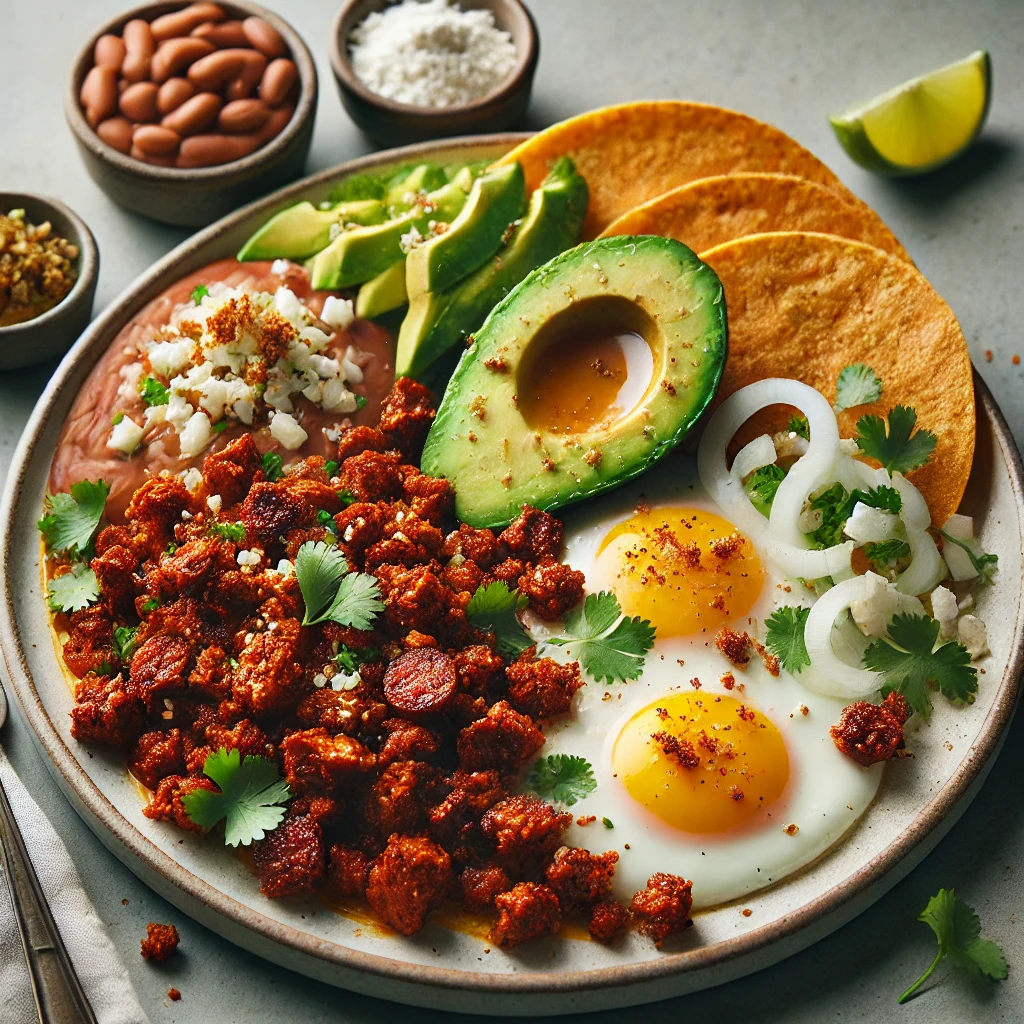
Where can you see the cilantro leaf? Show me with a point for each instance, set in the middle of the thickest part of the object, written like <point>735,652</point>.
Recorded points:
<point>798,425</point>
<point>562,778</point>
<point>911,662</point>
<point>332,593</point>
<point>357,603</point>
<point>154,393</point>
<point>229,531</point>
<point>762,485</point>
<point>358,186</point>
<point>272,466</point>
<point>198,292</point>
<point>888,499</point>
<point>858,384</point>
<point>70,520</point>
<point>608,646</point>
<point>836,505</point>
<point>785,636</point>
<point>74,590</point>
<point>331,468</point>
<point>607,822</point>
<point>883,555</point>
<point>493,607</point>
<point>251,797</point>
<point>958,931</point>
<point>985,563</point>
<point>900,450</point>
<point>126,640</point>
<point>349,659</point>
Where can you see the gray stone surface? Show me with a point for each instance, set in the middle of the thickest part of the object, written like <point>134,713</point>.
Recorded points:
<point>788,63</point>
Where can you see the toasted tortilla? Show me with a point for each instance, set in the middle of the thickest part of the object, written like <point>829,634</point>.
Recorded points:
<point>805,305</point>
<point>712,211</point>
<point>636,151</point>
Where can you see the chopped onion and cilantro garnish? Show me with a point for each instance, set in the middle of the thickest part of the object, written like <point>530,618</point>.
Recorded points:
<point>562,779</point>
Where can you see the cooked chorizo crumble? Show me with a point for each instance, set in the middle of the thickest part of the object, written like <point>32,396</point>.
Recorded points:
<point>37,268</point>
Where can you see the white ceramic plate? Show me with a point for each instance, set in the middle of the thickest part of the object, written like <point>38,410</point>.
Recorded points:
<point>919,800</point>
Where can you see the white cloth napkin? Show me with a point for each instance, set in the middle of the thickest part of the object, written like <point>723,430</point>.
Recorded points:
<point>96,961</point>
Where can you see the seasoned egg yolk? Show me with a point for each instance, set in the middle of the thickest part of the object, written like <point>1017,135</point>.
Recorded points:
<point>700,762</point>
<point>685,569</point>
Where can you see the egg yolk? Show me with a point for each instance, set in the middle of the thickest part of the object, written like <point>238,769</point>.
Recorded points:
<point>700,762</point>
<point>685,569</point>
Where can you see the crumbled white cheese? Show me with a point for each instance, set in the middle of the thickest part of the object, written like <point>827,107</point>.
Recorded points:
<point>247,557</point>
<point>345,680</point>
<point>973,635</point>
<point>337,313</point>
<point>279,267</point>
<point>848,446</point>
<point>125,436</point>
<point>352,370</point>
<point>192,478</point>
<point>196,435</point>
<point>214,502</point>
<point>168,357</point>
<point>945,610</point>
<point>155,414</point>
<point>335,397</point>
<point>319,680</point>
<point>285,430</point>
<point>285,567</point>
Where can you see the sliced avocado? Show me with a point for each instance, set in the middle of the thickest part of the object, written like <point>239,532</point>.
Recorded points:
<point>502,445</point>
<point>412,179</point>
<point>382,293</point>
<point>496,199</point>
<point>437,321</point>
<point>362,253</point>
<point>302,230</point>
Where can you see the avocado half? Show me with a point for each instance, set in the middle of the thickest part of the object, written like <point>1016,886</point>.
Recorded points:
<point>497,459</point>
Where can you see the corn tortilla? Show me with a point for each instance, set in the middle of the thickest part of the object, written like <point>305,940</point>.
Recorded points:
<point>635,151</point>
<point>805,305</point>
<point>711,211</point>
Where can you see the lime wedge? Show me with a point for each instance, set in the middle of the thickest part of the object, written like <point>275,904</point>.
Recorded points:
<point>921,124</point>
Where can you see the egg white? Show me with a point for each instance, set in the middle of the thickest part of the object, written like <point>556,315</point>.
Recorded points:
<point>827,792</point>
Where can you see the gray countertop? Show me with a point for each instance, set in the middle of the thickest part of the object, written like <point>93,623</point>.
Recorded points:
<point>789,63</point>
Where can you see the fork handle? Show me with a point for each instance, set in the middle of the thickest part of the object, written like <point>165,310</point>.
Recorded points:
<point>58,993</point>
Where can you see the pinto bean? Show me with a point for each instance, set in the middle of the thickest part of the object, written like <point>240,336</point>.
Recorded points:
<point>227,34</point>
<point>264,37</point>
<point>194,115</point>
<point>159,161</point>
<point>155,140</point>
<point>180,23</point>
<point>207,150</point>
<point>139,43</point>
<point>138,101</point>
<point>279,77</point>
<point>109,50</point>
<point>116,132</point>
<point>239,70</point>
<point>177,54</point>
<point>420,681</point>
<point>242,116</point>
<point>275,124</point>
<point>99,94</point>
<point>173,93</point>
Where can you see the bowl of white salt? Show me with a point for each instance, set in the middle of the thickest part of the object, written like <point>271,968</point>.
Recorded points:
<point>414,70</point>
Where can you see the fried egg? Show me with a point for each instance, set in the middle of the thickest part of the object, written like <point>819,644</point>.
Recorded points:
<point>726,776</point>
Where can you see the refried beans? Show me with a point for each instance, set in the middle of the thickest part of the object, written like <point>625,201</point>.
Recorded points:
<point>82,450</point>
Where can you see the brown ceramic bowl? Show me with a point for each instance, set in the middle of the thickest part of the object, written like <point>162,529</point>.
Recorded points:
<point>53,332</point>
<point>395,124</point>
<point>194,197</point>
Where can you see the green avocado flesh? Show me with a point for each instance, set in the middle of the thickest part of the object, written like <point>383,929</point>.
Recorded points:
<point>438,321</point>
<point>361,253</point>
<point>303,230</point>
<point>383,293</point>
<point>640,313</point>
<point>496,200</point>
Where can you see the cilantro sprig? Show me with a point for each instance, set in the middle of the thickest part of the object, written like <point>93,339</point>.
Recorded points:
<point>272,463</point>
<point>911,661</point>
<point>884,554</point>
<point>798,425</point>
<point>836,506</point>
<point>762,485</point>
<point>154,393</point>
<point>333,594</point>
<point>70,520</point>
<point>609,646</point>
<point>494,607</point>
<point>958,931</point>
<point>858,384</point>
<point>198,293</point>
<point>229,531</point>
<point>125,643</point>
<point>899,449</point>
<point>562,778</point>
<point>785,636</point>
<point>74,590</point>
<point>251,798</point>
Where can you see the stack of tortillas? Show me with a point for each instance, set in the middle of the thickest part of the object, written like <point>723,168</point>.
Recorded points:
<point>813,279</point>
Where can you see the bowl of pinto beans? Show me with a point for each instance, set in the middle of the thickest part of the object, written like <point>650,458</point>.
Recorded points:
<point>183,112</point>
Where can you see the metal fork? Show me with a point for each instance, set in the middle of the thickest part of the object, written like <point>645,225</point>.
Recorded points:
<point>58,993</point>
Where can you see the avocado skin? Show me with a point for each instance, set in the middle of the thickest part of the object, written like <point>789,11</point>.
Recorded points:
<point>509,463</point>
<point>383,293</point>
<point>495,201</point>
<point>362,253</point>
<point>299,231</point>
<point>438,321</point>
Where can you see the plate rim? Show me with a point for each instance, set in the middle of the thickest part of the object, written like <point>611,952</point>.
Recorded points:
<point>88,798</point>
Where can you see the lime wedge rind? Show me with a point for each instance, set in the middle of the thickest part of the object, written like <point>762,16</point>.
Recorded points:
<point>920,124</point>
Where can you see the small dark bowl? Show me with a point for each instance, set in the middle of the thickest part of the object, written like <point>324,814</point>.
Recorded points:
<point>396,124</point>
<point>54,331</point>
<point>193,197</point>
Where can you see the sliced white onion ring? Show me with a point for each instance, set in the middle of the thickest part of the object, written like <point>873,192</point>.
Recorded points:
<point>838,678</point>
<point>926,567</point>
<point>759,453</point>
